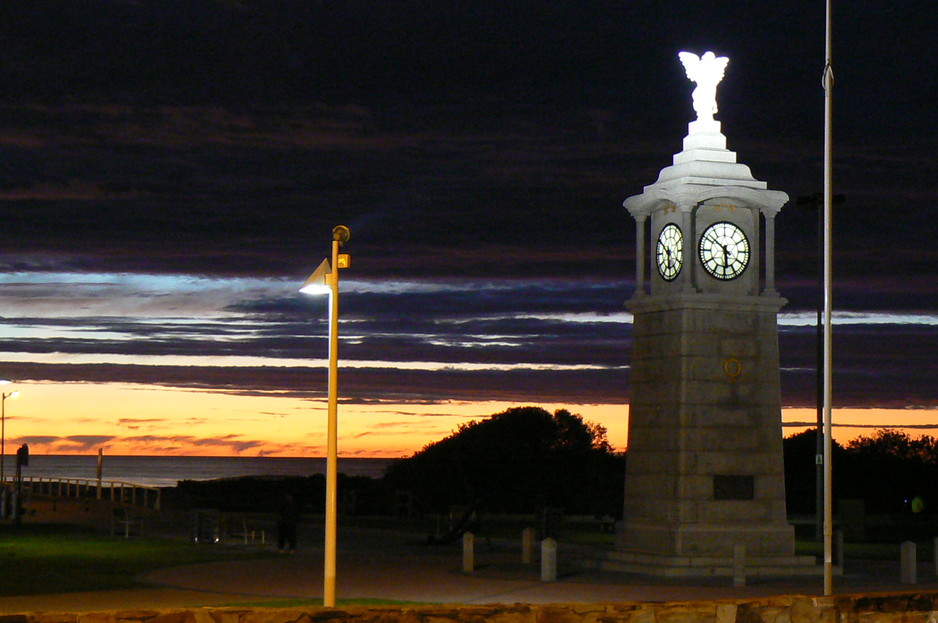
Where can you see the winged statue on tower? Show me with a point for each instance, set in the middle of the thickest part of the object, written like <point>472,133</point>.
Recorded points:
<point>707,72</point>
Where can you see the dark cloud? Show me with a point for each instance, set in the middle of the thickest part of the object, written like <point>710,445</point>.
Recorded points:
<point>232,442</point>
<point>71,443</point>
<point>84,443</point>
<point>482,148</point>
<point>137,423</point>
<point>36,439</point>
<point>882,425</point>
<point>555,340</point>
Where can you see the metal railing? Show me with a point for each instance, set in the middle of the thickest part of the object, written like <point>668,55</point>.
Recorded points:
<point>126,493</point>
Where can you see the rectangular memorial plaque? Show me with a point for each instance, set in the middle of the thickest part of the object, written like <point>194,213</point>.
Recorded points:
<point>734,487</point>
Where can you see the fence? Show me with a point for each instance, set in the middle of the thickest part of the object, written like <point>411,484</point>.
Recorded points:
<point>126,493</point>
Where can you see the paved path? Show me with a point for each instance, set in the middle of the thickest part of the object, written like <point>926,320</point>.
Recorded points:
<point>390,565</point>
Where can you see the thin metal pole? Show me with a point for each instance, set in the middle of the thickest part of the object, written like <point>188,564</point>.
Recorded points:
<point>328,596</point>
<point>828,81</point>
<point>3,437</point>
<point>819,382</point>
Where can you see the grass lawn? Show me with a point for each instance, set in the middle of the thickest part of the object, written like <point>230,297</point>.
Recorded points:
<point>36,559</point>
<point>59,559</point>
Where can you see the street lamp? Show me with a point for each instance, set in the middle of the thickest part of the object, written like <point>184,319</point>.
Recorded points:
<point>325,280</point>
<point>3,427</point>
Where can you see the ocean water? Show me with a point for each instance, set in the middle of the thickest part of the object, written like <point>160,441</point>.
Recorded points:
<point>166,471</point>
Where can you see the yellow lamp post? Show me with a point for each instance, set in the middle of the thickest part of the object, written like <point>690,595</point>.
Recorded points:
<point>326,280</point>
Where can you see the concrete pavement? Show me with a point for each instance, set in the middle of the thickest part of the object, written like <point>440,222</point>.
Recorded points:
<point>390,565</point>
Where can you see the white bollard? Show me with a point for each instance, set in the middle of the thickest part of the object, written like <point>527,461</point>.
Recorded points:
<point>936,555</point>
<point>548,560</point>
<point>739,565</point>
<point>907,562</point>
<point>839,556</point>
<point>527,546</point>
<point>468,552</point>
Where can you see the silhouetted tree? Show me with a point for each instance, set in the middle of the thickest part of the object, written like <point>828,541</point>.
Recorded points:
<point>888,469</point>
<point>516,461</point>
<point>885,470</point>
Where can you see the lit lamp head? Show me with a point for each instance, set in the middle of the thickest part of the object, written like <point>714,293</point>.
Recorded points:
<point>8,394</point>
<point>318,281</point>
<point>323,279</point>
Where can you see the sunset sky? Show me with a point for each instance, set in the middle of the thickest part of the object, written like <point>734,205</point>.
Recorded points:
<point>171,173</point>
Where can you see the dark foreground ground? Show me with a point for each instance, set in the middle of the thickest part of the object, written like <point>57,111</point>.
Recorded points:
<point>384,564</point>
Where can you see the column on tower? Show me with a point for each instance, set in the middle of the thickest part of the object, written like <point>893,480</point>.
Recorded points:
<point>686,208</point>
<point>640,259</point>
<point>756,252</point>
<point>769,253</point>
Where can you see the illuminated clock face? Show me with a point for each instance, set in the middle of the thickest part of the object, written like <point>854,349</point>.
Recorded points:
<point>669,253</point>
<point>724,251</point>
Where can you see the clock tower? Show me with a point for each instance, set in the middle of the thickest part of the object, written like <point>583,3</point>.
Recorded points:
<point>705,469</point>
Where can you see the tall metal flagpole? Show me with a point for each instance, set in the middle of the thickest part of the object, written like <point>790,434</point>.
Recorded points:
<point>828,82</point>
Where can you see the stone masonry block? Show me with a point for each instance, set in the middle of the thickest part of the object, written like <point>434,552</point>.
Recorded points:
<point>720,438</point>
<point>654,464</point>
<point>42,617</point>
<point>642,615</point>
<point>171,617</point>
<point>650,484</point>
<point>135,615</point>
<point>730,416</point>
<point>691,612</point>
<point>704,369</point>
<point>776,614</point>
<point>804,610</point>
<point>726,613</point>
<point>710,393</point>
<point>727,511</point>
<point>661,394</point>
<point>713,462</point>
<point>650,439</point>
<point>650,510</point>
<point>747,613</point>
<point>698,345</point>
<point>739,347</point>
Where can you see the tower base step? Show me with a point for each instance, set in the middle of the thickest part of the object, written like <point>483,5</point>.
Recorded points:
<point>706,566</point>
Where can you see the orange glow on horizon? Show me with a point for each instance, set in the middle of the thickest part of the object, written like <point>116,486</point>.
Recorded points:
<point>127,419</point>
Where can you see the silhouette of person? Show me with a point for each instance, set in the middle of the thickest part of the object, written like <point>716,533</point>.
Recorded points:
<point>288,517</point>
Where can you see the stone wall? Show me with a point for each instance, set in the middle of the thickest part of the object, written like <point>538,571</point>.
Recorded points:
<point>917,607</point>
